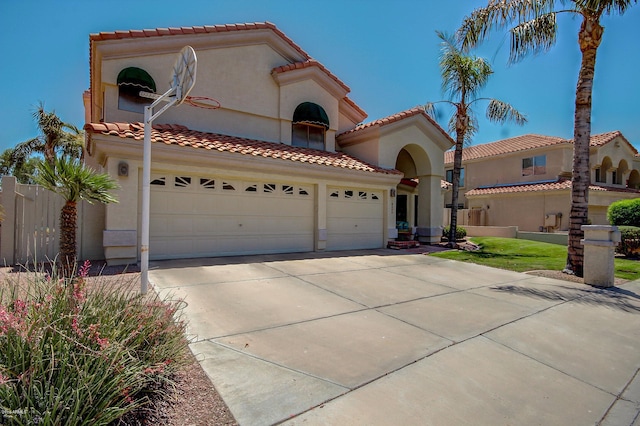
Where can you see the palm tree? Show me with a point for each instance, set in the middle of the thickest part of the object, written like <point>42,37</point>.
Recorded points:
<point>74,181</point>
<point>533,29</point>
<point>22,171</point>
<point>463,77</point>
<point>57,137</point>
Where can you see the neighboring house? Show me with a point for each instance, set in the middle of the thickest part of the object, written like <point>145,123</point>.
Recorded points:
<point>526,180</point>
<point>284,165</point>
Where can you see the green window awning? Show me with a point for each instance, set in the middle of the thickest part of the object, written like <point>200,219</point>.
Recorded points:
<point>310,113</point>
<point>138,78</point>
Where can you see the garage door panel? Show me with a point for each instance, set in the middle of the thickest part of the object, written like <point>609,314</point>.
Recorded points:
<point>355,219</point>
<point>193,216</point>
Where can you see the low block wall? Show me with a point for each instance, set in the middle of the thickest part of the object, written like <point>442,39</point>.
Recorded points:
<point>545,237</point>
<point>492,231</point>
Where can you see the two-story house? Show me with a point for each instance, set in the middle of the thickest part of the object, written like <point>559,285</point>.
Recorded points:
<point>525,181</point>
<point>284,165</point>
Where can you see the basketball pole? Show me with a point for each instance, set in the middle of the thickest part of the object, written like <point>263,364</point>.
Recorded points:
<point>149,116</point>
<point>182,81</point>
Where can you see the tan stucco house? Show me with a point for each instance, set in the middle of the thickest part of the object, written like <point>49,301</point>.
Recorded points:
<point>284,165</point>
<point>525,181</point>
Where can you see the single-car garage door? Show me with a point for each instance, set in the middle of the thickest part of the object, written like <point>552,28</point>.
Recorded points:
<point>355,219</point>
<point>193,216</point>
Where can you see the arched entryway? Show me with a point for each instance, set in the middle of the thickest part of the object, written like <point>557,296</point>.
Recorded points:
<point>415,210</point>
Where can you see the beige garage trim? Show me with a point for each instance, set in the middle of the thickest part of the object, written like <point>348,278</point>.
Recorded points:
<point>355,218</point>
<point>195,216</point>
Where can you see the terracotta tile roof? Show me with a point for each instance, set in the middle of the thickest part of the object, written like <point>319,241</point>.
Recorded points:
<point>307,64</point>
<point>556,185</point>
<point>160,32</point>
<point>174,134</point>
<point>604,138</point>
<point>397,117</point>
<point>525,142</point>
<point>506,146</point>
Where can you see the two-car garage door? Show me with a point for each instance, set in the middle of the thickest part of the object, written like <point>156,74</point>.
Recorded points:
<point>194,216</point>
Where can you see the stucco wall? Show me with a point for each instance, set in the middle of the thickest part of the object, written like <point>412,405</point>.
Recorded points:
<point>526,211</point>
<point>253,105</point>
<point>508,169</point>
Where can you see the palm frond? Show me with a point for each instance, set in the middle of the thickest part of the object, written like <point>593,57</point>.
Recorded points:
<point>463,76</point>
<point>533,37</point>
<point>607,7</point>
<point>431,110</point>
<point>526,15</point>
<point>24,149</point>
<point>75,181</point>
<point>501,112</point>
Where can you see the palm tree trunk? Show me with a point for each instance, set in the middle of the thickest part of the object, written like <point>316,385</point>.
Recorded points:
<point>68,225</point>
<point>589,37</point>
<point>461,121</point>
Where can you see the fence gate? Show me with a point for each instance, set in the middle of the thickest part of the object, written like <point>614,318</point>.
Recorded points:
<point>37,231</point>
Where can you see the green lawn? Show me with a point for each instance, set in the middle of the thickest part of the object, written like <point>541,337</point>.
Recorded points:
<point>524,255</point>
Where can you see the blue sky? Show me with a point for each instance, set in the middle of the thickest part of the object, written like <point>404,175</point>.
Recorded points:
<point>386,52</point>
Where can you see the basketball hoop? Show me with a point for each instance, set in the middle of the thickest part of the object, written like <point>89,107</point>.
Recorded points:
<point>184,73</point>
<point>194,101</point>
<point>202,102</point>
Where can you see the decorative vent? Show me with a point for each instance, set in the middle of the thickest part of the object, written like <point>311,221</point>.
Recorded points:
<point>208,183</point>
<point>182,181</point>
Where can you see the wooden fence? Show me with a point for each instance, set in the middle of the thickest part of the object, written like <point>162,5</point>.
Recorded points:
<point>30,228</point>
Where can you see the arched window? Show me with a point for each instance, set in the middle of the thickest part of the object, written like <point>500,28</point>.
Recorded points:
<point>309,125</point>
<point>132,81</point>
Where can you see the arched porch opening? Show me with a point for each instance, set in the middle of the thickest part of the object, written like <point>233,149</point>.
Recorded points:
<point>417,209</point>
<point>634,179</point>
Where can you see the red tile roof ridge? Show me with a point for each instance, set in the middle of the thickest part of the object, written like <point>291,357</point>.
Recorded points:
<point>310,63</point>
<point>397,117</point>
<point>604,138</point>
<point>175,134</point>
<point>559,184</point>
<point>505,146</point>
<point>159,32</point>
<point>524,143</point>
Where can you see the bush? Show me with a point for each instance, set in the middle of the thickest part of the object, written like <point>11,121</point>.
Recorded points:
<point>629,241</point>
<point>624,212</point>
<point>461,233</point>
<point>72,355</point>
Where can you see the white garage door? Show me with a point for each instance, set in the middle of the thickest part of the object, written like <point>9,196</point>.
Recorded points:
<point>194,216</point>
<point>355,219</point>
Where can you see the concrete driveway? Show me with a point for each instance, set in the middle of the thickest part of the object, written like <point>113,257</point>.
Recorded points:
<point>387,338</point>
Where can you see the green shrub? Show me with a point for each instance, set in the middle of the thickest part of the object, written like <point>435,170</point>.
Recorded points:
<point>624,212</point>
<point>461,233</point>
<point>629,241</point>
<point>74,355</point>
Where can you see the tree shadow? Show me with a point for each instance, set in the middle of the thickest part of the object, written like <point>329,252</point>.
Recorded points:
<point>613,297</point>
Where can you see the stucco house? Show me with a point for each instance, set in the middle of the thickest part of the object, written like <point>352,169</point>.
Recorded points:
<point>525,181</point>
<point>284,165</point>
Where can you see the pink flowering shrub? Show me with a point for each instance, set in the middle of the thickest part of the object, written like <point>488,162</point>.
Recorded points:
<point>72,355</point>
